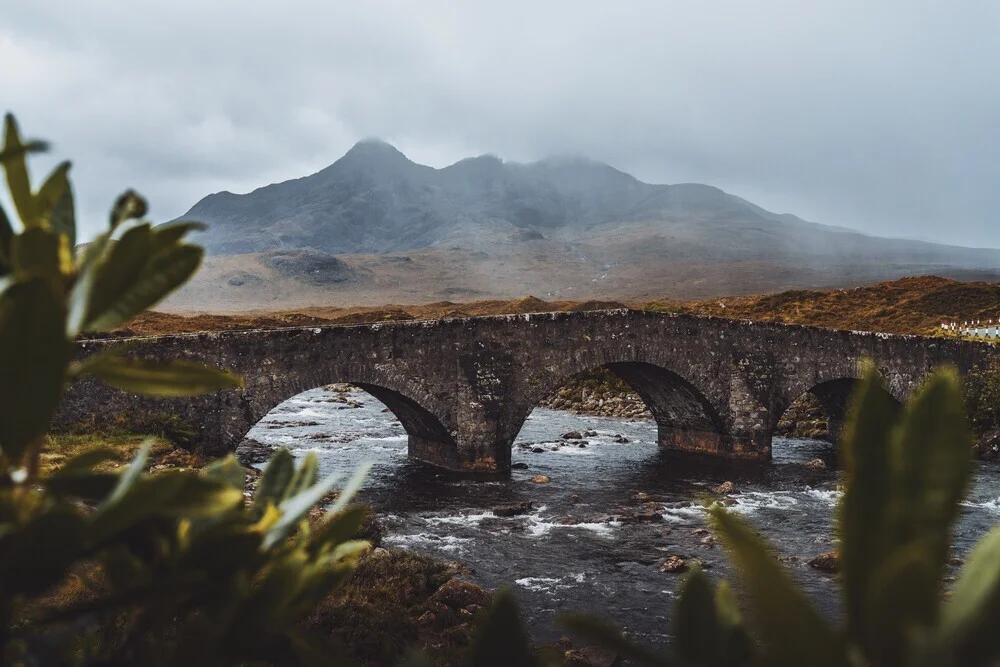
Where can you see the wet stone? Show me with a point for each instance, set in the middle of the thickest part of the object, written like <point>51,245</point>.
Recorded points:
<point>512,509</point>
<point>591,656</point>
<point>725,488</point>
<point>828,562</point>
<point>815,464</point>
<point>673,564</point>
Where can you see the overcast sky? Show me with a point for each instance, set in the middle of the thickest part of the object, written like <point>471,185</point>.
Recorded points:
<point>883,116</point>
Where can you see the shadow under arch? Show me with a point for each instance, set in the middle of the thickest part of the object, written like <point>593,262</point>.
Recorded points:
<point>834,397</point>
<point>428,439</point>
<point>686,420</point>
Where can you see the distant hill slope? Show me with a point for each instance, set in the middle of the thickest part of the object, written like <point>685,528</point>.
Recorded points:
<point>915,305</point>
<point>375,227</point>
<point>909,306</point>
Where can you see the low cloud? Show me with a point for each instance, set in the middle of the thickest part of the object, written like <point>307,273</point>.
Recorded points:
<point>881,118</point>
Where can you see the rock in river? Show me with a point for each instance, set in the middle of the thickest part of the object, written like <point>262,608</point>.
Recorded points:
<point>540,479</point>
<point>725,487</point>
<point>251,451</point>
<point>512,509</point>
<point>591,656</point>
<point>673,564</point>
<point>828,562</point>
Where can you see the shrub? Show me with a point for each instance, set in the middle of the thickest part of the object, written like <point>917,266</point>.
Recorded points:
<point>103,567</point>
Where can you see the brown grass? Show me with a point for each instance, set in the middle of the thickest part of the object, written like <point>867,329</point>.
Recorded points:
<point>915,305</point>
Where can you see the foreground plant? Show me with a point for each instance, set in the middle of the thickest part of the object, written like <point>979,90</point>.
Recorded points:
<point>172,568</point>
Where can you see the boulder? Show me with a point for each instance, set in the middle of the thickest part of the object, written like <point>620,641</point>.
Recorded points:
<point>724,488</point>
<point>828,562</point>
<point>457,594</point>
<point>540,479</point>
<point>642,516</point>
<point>591,656</point>
<point>815,464</point>
<point>571,435</point>
<point>512,509</point>
<point>673,564</point>
<point>250,452</point>
<point>520,465</point>
<point>537,450</point>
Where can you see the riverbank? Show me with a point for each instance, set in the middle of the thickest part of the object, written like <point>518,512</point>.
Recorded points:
<point>397,600</point>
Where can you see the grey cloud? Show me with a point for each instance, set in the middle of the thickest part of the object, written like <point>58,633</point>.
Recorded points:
<point>882,118</point>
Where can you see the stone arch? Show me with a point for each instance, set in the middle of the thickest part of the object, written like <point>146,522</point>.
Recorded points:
<point>683,413</point>
<point>423,417</point>
<point>834,396</point>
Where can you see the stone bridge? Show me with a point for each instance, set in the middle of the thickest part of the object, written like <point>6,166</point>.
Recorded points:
<point>463,387</point>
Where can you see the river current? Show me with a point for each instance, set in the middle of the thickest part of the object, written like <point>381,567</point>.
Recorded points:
<point>573,551</point>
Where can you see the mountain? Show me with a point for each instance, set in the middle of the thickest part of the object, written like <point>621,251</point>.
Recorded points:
<point>375,226</point>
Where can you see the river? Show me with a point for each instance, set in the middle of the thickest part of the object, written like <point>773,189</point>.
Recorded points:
<point>568,553</point>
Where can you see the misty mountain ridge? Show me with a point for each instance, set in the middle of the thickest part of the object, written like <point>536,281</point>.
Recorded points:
<point>486,227</point>
<point>375,200</point>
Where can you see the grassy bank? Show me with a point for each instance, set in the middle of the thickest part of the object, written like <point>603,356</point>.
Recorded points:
<point>395,601</point>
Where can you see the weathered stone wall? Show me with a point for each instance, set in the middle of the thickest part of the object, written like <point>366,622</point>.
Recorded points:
<point>463,387</point>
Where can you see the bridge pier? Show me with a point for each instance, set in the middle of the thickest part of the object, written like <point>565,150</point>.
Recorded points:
<point>749,447</point>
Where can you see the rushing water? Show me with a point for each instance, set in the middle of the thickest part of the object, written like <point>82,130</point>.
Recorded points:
<point>569,553</point>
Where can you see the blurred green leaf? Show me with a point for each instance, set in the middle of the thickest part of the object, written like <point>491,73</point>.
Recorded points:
<point>607,636</point>
<point>129,205</point>
<point>36,555</point>
<point>294,508</point>
<point>794,633</point>
<point>708,628</point>
<point>337,528</point>
<point>128,476</point>
<point>35,252</point>
<point>968,618</point>
<point>6,239</point>
<point>110,269</point>
<point>306,474</point>
<point>170,233</point>
<point>228,471</point>
<point>932,465</point>
<point>865,541</point>
<point>54,203</point>
<point>352,487</point>
<point>86,461</point>
<point>275,479</point>
<point>502,640</point>
<point>903,596</point>
<point>16,167</point>
<point>91,487</point>
<point>167,378</point>
<point>162,274</point>
<point>33,360</point>
<point>697,633</point>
